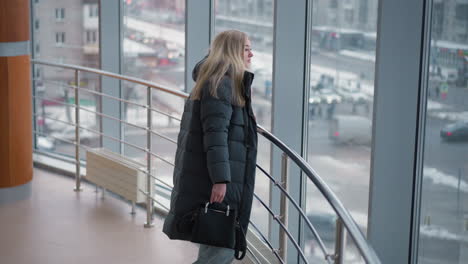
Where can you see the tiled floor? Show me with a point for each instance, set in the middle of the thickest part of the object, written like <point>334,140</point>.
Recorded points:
<point>55,225</point>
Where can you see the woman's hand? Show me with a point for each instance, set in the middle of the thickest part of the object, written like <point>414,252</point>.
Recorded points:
<point>218,192</point>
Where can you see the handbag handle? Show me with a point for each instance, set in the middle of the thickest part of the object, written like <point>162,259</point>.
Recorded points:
<point>208,203</point>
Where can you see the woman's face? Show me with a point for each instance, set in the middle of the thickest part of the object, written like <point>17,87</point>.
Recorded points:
<point>247,53</point>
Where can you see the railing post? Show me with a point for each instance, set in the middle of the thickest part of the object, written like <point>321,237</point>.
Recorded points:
<point>340,244</point>
<point>149,202</point>
<point>77,133</point>
<point>283,239</point>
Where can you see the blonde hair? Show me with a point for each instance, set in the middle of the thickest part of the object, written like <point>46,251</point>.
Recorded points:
<point>225,57</point>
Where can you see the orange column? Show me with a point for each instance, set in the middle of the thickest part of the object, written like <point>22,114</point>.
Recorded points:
<point>15,96</point>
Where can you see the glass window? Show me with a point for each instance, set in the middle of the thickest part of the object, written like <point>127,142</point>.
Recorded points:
<point>256,19</point>
<point>59,14</point>
<point>91,36</point>
<point>36,24</point>
<point>349,16</point>
<point>341,97</point>
<point>53,87</point>
<point>59,38</point>
<point>154,41</point>
<point>443,230</point>
<point>93,10</point>
<point>154,50</point>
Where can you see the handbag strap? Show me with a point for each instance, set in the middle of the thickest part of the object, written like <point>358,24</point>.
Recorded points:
<point>240,248</point>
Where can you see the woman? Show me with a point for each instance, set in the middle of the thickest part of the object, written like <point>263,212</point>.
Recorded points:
<point>217,144</point>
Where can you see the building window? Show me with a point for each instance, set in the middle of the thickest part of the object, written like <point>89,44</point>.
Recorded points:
<point>363,11</point>
<point>59,38</point>
<point>333,4</point>
<point>38,73</point>
<point>37,49</point>
<point>93,10</point>
<point>461,12</point>
<point>59,14</point>
<point>36,24</point>
<point>349,16</point>
<point>91,36</point>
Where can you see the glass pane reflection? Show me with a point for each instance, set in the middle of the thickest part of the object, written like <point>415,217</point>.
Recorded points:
<point>443,227</point>
<point>154,50</point>
<point>256,19</point>
<point>343,41</point>
<point>65,32</point>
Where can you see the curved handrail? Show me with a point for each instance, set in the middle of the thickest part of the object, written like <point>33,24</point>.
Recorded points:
<point>366,250</point>
<point>368,253</point>
<point>113,75</point>
<point>301,212</point>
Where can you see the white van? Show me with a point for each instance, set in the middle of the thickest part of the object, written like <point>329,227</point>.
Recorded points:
<point>350,129</point>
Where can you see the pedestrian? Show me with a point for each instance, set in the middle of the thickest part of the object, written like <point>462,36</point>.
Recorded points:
<point>217,145</point>
<point>331,110</point>
<point>444,89</point>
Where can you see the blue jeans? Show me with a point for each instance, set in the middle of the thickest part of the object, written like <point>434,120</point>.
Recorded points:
<point>214,255</point>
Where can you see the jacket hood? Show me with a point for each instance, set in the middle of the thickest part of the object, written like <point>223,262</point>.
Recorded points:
<point>196,69</point>
<point>247,80</point>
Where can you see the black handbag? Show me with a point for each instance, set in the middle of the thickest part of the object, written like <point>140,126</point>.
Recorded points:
<point>215,225</point>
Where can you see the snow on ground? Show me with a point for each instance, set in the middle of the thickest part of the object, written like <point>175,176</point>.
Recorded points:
<point>338,164</point>
<point>133,48</point>
<point>433,105</point>
<point>450,116</point>
<point>445,112</point>
<point>440,178</point>
<point>439,232</point>
<point>156,31</point>
<point>368,56</point>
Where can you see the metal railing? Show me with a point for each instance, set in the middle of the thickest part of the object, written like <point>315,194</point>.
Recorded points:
<point>344,224</point>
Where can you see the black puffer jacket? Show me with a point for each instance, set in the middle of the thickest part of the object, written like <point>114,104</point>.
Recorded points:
<point>217,143</point>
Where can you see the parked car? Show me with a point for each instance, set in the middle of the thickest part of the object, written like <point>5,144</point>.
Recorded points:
<point>68,134</point>
<point>329,96</point>
<point>435,77</point>
<point>455,131</point>
<point>452,78</point>
<point>354,96</point>
<point>314,104</point>
<point>314,98</point>
<point>325,225</point>
<point>45,143</point>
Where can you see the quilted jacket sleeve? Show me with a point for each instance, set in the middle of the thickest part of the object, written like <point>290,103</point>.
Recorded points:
<point>215,116</point>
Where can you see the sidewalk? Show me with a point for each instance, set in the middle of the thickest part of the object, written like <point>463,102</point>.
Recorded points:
<point>454,107</point>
